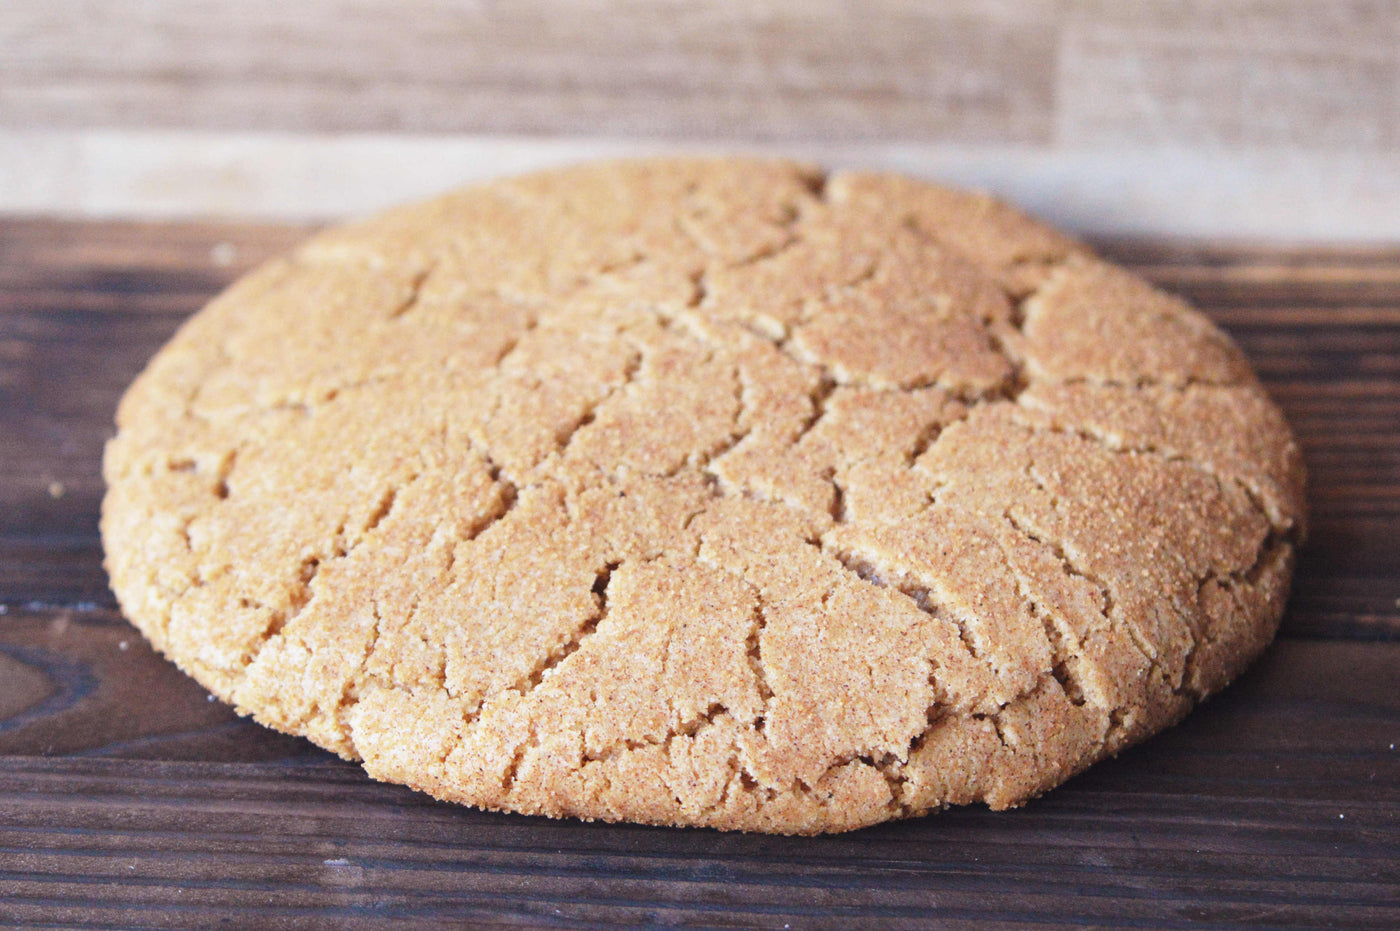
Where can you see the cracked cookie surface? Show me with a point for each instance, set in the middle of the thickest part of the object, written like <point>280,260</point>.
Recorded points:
<point>704,492</point>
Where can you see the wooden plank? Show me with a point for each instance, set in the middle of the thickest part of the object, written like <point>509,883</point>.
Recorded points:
<point>84,682</point>
<point>1052,72</point>
<point>1278,119</point>
<point>1333,195</point>
<point>1277,803</point>
<point>40,255</point>
<point>1285,73</point>
<point>715,68</point>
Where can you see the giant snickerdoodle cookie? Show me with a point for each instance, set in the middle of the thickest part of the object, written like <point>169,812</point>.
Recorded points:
<point>705,492</point>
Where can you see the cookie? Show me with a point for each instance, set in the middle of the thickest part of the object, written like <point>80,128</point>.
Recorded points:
<point>705,492</point>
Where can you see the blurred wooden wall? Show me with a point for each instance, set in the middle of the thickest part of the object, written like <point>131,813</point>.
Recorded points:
<point>1276,118</point>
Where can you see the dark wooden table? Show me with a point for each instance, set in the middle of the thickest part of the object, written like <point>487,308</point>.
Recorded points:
<point>128,798</point>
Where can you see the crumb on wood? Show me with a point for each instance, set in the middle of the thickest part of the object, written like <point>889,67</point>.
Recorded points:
<point>223,254</point>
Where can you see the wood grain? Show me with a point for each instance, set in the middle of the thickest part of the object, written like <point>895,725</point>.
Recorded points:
<point>1202,73</point>
<point>1277,805</point>
<point>749,70</point>
<point>1277,119</point>
<point>1062,72</point>
<point>128,799</point>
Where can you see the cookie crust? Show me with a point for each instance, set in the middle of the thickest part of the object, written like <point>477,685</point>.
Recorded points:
<point>713,492</point>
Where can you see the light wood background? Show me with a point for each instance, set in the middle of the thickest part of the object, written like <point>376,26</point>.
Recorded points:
<point>1273,118</point>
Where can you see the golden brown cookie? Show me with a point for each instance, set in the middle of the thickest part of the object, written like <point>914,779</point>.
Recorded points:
<point>705,492</point>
